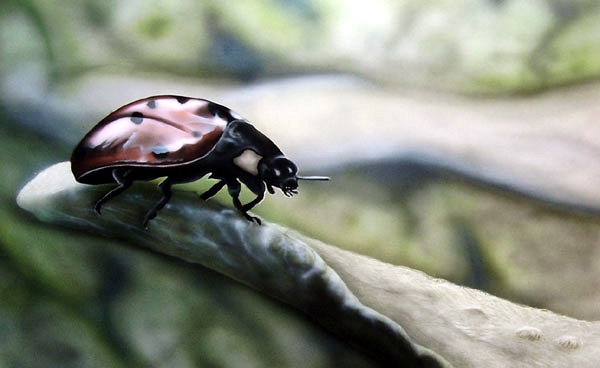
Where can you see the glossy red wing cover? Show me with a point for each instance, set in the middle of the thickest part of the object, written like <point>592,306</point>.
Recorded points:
<point>157,131</point>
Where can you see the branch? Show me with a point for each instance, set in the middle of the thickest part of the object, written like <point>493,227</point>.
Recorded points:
<point>267,258</point>
<point>390,311</point>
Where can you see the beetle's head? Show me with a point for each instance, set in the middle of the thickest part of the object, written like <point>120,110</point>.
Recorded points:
<point>279,172</point>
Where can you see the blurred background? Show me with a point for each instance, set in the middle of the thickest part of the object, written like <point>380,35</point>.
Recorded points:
<point>463,140</point>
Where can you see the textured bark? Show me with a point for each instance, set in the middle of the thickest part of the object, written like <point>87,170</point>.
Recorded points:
<point>397,314</point>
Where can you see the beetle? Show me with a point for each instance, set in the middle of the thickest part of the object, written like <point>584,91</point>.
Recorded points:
<point>183,139</point>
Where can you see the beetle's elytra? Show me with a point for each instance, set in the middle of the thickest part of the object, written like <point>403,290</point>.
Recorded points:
<point>182,139</point>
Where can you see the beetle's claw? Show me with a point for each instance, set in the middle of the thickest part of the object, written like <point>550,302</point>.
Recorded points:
<point>289,192</point>
<point>149,216</point>
<point>254,219</point>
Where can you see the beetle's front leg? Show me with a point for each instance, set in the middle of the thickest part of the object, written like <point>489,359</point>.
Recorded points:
<point>248,206</point>
<point>257,187</point>
<point>234,188</point>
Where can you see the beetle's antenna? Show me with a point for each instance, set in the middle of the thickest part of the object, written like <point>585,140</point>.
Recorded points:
<point>321,178</point>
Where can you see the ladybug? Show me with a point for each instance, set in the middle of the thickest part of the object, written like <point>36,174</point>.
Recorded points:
<point>182,139</point>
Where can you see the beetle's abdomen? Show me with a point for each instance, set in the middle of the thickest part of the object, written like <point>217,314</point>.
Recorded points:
<point>160,131</point>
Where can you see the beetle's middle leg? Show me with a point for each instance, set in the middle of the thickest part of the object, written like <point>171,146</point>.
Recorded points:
<point>165,188</point>
<point>213,190</point>
<point>121,177</point>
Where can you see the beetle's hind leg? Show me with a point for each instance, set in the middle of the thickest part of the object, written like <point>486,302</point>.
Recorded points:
<point>120,176</point>
<point>165,188</point>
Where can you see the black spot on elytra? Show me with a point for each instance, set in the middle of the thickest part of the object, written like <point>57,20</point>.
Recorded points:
<point>137,117</point>
<point>151,104</point>
<point>160,151</point>
<point>213,108</point>
<point>196,134</point>
<point>219,110</point>
<point>181,99</point>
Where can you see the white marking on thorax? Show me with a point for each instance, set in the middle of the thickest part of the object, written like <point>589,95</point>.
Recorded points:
<point>248,161</point>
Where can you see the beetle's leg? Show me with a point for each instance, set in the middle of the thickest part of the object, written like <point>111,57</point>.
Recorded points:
<point>165,188</point>
<point>257,187</point>
<point>213,190</point>
<point>234,188</point>
<point>123,182</point>
<point>248,206</point>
